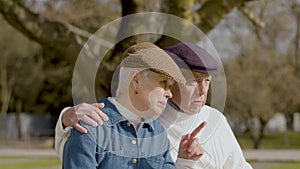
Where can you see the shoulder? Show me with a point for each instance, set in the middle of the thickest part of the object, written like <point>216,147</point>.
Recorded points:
<point>212,110</point>
<point>79,139</point>
<point>215,122</point>
<point>112,113</point>
<point>109,109</point>
<point>215,116</point>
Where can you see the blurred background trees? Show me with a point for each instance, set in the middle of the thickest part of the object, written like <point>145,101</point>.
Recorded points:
<point>264,78</point>
<point>258,42</point>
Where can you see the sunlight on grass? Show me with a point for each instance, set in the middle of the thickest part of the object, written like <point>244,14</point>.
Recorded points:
<point>287,166</point>
<point>271,141</point>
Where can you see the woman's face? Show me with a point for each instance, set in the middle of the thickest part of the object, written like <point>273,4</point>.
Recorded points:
<point>152,93</point>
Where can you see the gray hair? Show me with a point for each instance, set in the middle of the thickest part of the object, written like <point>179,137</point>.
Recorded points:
<point>126,74</point>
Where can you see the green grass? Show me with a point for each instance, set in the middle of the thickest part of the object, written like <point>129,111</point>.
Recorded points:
<point>287,166</point>
<point>272,141</point>
<point>28,162</point>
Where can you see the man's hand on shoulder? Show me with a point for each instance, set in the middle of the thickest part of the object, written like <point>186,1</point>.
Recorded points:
<point>88,113</point>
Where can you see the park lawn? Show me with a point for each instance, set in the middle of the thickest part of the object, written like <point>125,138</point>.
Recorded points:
<point>271,141</point>
<point>28,162</point>
<point>290,165</point>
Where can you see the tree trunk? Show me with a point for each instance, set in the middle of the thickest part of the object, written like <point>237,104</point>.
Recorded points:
<point>289,126</point>
<point>180,8</point>
<point>296,41</point>
<point>257,137</point>
<point>6,92</point>
<point>18,118</point>
<point>260,137</point>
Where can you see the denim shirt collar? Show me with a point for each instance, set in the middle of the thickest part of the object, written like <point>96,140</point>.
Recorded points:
<point>115,117</point>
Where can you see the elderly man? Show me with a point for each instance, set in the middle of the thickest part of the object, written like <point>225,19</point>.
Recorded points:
<point>184,112</point>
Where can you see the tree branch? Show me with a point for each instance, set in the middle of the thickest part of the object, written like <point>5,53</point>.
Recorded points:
<point>213,11</point>
<point>50,34</point>
<point>252,17</point>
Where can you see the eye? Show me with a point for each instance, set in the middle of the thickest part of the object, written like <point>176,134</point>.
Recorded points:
<point>166,83</point>
<point>192,81</point>
<point>207,81</point>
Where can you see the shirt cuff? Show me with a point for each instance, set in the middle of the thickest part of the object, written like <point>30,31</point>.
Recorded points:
<point>61,134</point>
<point>59,126</point>
<point>185,164</point>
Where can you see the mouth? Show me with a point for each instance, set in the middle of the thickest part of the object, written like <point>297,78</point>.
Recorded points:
<point>198,101</point>
<point>162,103</point>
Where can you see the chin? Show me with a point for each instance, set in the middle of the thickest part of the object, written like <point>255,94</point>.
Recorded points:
<point>158,111</point>
<point>193,111</point>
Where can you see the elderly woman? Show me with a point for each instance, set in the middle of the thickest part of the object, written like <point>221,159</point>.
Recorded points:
<point>130,138</point>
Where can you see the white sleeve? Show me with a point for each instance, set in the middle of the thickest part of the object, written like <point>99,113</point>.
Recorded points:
<point>61,134</point>
<point>185,164</point>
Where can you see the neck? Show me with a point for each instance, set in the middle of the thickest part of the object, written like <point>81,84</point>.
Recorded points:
<point>125,112</point>
<point>125,101</point>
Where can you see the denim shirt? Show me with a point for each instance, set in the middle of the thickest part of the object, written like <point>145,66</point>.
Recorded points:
<point>116,145</point>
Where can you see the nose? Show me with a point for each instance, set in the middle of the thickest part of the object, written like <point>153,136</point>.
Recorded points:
<point>168,94</point>
<point>202,87</point>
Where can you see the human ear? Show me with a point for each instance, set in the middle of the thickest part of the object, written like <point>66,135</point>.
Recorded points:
<point>135,80</point>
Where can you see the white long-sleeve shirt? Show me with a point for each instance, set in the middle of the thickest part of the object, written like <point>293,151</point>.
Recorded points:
<point>221,149</point>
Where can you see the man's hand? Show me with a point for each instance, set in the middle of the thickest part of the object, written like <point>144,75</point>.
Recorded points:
<point>89,113</point>
<point>189,147</point>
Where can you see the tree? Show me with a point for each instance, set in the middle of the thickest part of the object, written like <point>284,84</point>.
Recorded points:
<point>249,94</point>
<point>257,79</point>
<point>12,66</point>
<point>66,38</point>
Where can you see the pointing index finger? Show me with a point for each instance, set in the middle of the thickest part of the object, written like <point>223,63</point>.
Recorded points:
<point>198,129</point>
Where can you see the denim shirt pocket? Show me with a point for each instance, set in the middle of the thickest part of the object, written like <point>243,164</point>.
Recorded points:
<point>111,159</point>
<point>155,162</point>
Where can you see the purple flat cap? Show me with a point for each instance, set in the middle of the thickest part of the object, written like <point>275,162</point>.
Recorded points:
<point>196,58</point>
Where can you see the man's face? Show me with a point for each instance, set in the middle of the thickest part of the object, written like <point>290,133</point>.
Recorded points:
<point>192,97</point>
<point>154,91</point>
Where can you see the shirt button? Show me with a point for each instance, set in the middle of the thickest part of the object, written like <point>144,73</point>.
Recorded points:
<point>128,124</point>
<point>133,142</point>
<point>134,161</point>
